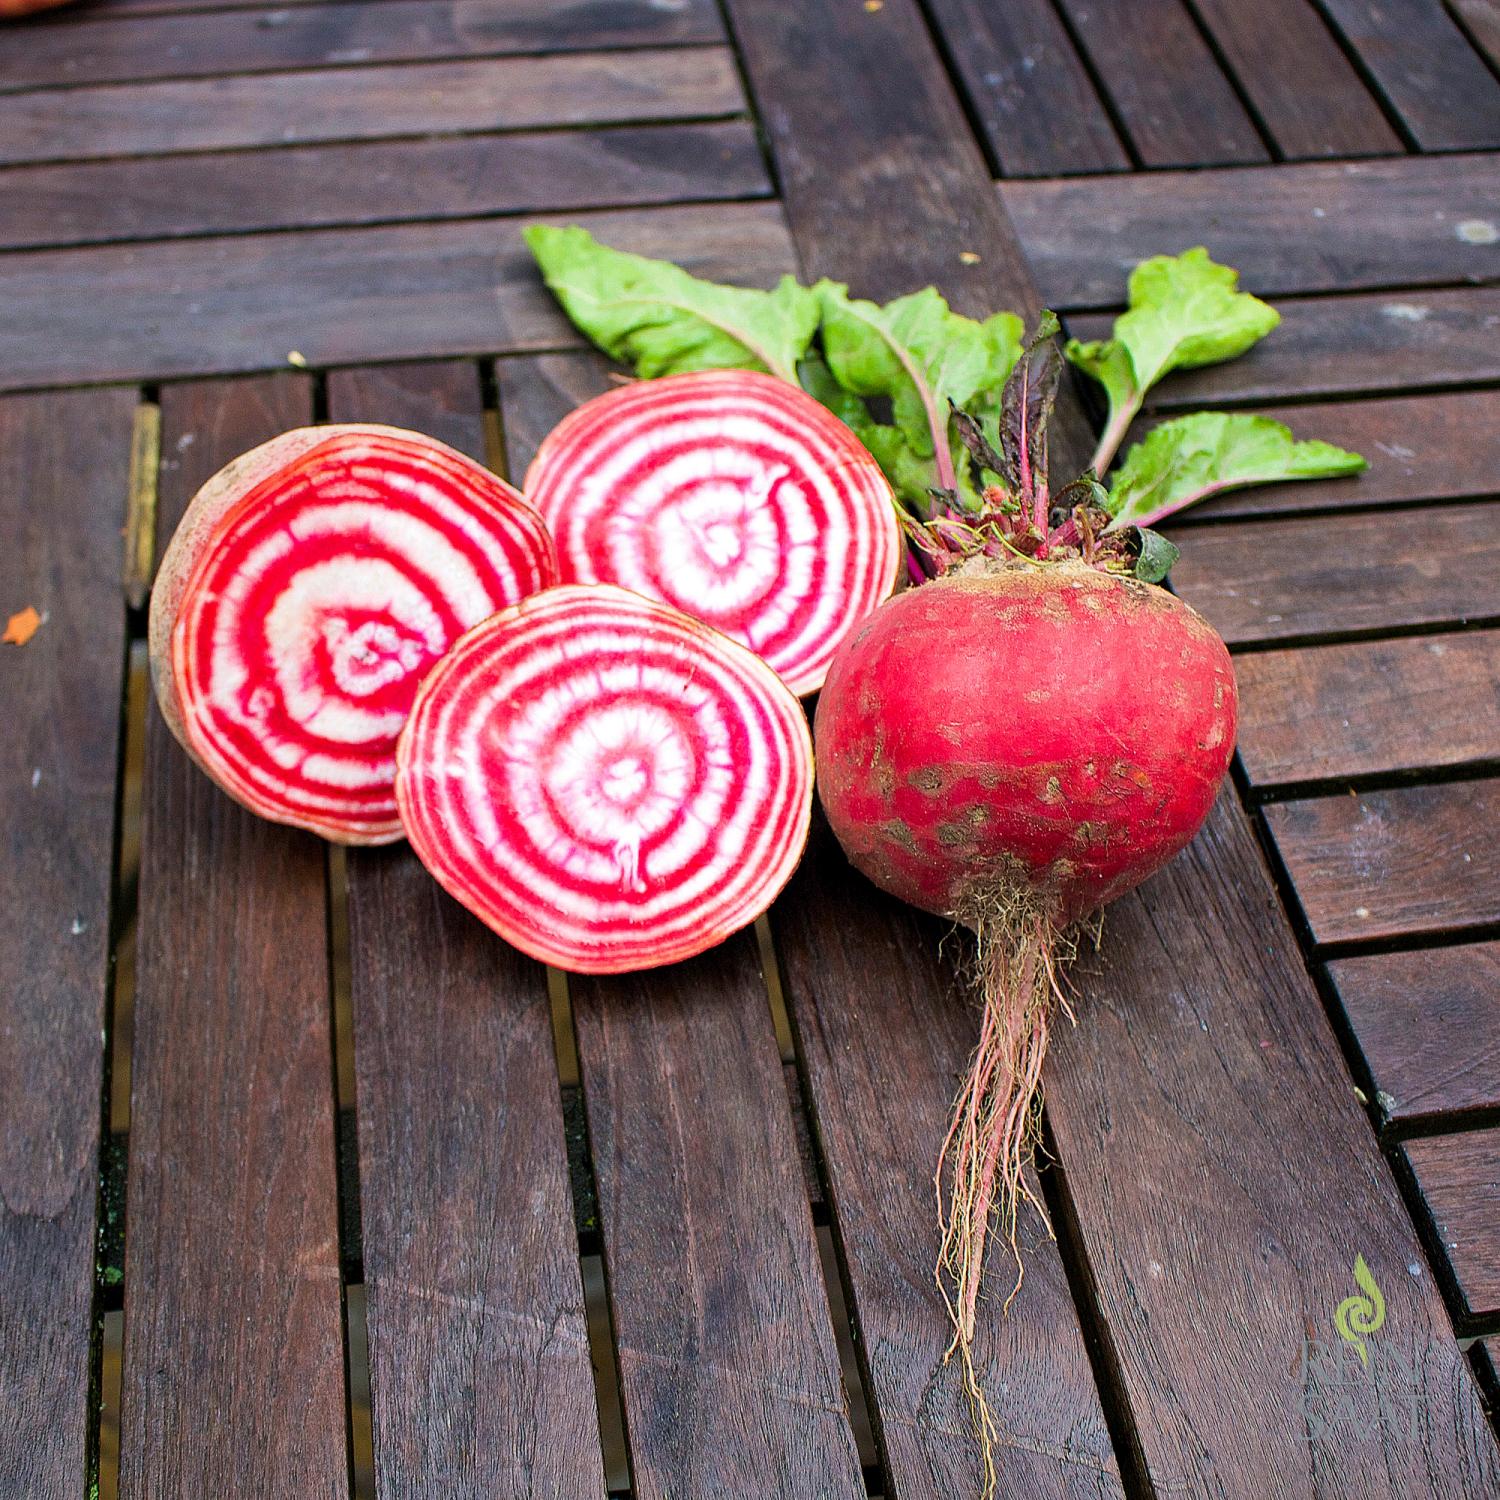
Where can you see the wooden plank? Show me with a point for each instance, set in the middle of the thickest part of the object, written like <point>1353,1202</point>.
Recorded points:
<point>883,1030</point>
<point>284,109</point>
<point>1428,1027</point>
<point>233,1366</point>
<point>479,1360</point>
<point>64,473</point>
<point>728,1370</point>
<point>110,48</point>
<point>335,296</point>
<point>1171,96</point>
<point>1217,1158</point>
<point>1423,63</point>
<point>1328,346</point>
<point>1017,64</point>
<point>1419,448</point>
<point>1459,1176</point>
<point>1305,92</point>
<point>537,392</point>
<point>1481,19</point>
<point>378,182</point>
<point>1369,708</point>
<point>1302,578</point>
<point>1394,864</point>
<point>1292,229</point>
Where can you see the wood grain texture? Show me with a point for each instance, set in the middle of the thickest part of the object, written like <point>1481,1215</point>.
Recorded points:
<point>335,296</point>
<point>115,49</point>
<point>1369,708</point>
<point>1419,448</point>
<point>377,182</point>
<point>233,1365</point>
<point>1169,91</point>
<point>1328,346</point>
<point>883,1030</point>
<point>64,474</point>
<point>1303,578</point>
<point>538,391</point>
<point>1428,1027</point>
<point>1421,859</point>
<point>1018,66</point>
<point>1288,229</point>
<point>1459,1176</point>
<point>728,1370</point>
<point>1423,63</point>
<point>479,1359</point>
<point>1225,1177</point>
<point>1305,92</point>
<point>284,109</point>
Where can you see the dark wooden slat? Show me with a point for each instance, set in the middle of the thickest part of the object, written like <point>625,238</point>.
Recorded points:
<point>376,182</point>
<point>283,109</point>
<point>1419,859</point>
<point>1307,577</point>
<point>1303,89</point>
<point>1482,19</point>
<point>1460,1179</point>
<point>479,1359</point>
<point>113,49</point>
<point>728,1369</point>
<point>537,392</point>
<point>1295,229</point>
<point>1222,1169</point>
<point>1369,707</point>
<point>1029,89</point>
<point>883,1030</point>
<point>63,480</point>
<point>1425,66</point>
<point>1428,1027</point>
<point>1328,346</point>
<point>1168,89</point>
<point>334,296</point>
<point>1443,447</point>
<point>233,1366</point>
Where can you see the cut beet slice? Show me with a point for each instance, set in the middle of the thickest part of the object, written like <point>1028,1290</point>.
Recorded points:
<point>733,496</point>
<point>311,585</point>
<point>606,782</point>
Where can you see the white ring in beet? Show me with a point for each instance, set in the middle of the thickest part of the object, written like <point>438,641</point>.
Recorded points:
<point>310,587</point>
<point>733,496</point>
<point>607,783</point>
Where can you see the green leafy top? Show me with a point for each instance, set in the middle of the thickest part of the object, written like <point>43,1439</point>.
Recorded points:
<point>656,317</point>
<point>1185,310</point>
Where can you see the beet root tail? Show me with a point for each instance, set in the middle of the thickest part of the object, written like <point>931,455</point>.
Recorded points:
<point>982,1177</point>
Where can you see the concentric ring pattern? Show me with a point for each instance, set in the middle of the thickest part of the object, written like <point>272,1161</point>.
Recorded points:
<point>734,497</point>
<point>607,783</point>
<point>321,599</point>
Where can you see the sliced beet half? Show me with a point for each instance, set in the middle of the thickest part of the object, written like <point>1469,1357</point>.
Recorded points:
<point>607,782</point>
<point>310,587</point>
<point>733,496</point>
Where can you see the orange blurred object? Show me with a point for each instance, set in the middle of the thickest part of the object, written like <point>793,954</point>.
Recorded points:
<point>9,8</point>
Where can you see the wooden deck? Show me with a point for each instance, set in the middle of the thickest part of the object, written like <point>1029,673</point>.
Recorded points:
<point>310,1187</point>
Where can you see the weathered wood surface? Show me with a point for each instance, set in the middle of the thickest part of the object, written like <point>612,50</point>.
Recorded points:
<point>1165,83</point>
<point>100,48</point>
<point>1203,1059</point>
<point>1304,578</point>
<point>1369,708</point>
<point>233,1377</point>
<point>63,482</point>
<point>1328,346</point>
<point>1400,863</point>
<point>283,109</point>
<point>333,296</point>
<point>1312,227</point>
<point>378,182</point>
<point>479,1360</point>
<point>728,1370</point>
<point>1459,1176</point>
<point>1428,1026</point>
<point>1481,18</point>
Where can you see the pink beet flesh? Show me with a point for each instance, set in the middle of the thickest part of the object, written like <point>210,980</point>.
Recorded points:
<point>1059,727</point>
